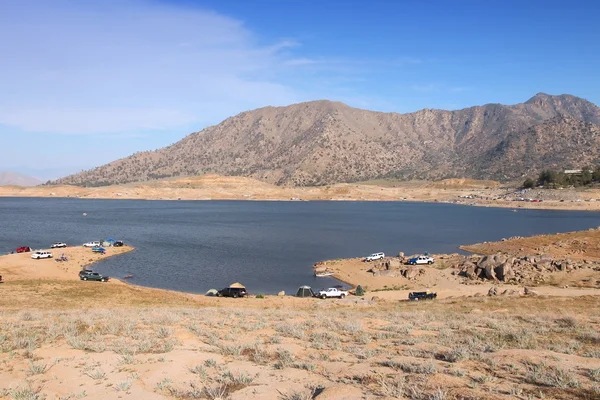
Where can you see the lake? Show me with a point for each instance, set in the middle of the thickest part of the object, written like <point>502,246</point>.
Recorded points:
<point>194,246</point>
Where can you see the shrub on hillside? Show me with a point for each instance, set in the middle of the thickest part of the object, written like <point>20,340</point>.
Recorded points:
<point>360,291</point>
<point>529,183</point>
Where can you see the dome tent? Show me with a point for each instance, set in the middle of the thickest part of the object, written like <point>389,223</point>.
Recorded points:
<point>304,291</point>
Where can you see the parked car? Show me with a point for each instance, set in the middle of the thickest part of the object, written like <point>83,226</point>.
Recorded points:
<point>100,250</point>
<point>118,243</point>
<point>232,292</point>
<point>85,272</point>
<point>93,276</point>
<point>421,260</point>
<point>374,256</point>
<point>422,295</point>
<point>332,292</point>
<point>41,254</point>
<point>92,244</point>
<point>58,245</point>
<point>23,249</point>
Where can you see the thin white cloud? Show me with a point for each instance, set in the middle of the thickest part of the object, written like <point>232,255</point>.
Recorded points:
<point>79,68</point>
<point>88,121</point>
<point>75,67</point>
<point>302,61</point>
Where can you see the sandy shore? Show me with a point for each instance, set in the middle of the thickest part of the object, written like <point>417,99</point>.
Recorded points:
<point>442,277</point>
<point>212,187</point>
<point>20,266</point>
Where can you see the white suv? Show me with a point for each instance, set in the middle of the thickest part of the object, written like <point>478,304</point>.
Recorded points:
<point>91,244</point>
<point>375,256</point>
<point>58,245</point>
<point>41,254</point>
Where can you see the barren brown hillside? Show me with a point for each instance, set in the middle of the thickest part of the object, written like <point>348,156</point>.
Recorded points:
<point>324,142</point>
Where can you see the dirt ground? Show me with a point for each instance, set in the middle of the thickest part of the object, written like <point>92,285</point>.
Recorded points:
<point>62,338</point>
<point>213,187</point>
<point>471,348</point>
<point>20,266</point>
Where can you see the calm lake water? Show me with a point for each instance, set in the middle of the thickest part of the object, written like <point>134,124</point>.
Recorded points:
<point>194,246</point>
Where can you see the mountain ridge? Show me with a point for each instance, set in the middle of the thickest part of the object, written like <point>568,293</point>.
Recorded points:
<point>324,142</point>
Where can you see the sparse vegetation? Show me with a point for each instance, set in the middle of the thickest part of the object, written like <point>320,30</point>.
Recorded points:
<point>37,368</point>
<point>400,346</point>
<point>548,178</point>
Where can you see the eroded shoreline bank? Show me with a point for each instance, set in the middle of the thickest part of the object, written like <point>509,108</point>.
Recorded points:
<point>209,187</point>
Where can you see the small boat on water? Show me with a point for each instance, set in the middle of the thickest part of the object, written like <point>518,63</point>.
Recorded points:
<point>323,274</point>
<point>128,276</point>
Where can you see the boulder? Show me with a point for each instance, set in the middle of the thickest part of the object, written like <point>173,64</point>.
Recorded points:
<point>468,269</point>
<point>493,291</point>
<point>500,259</point>
<point>485,261</point>
<point>510,292</point>
<point>489,272</point>
<point>495,259</point>
<point>504,272</point>
<point>375,298</point>
<point>530,292</point>
<point>471,272</point>
<point>393,263</point>
<point>480,272</point>
<point>282,293</point>
<point>544,265</point>
<point>411,273</point>
<point>401,255</point>
<point>530,259</point>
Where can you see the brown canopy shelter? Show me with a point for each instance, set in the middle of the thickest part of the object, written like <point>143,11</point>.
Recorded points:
<point>237,285</point>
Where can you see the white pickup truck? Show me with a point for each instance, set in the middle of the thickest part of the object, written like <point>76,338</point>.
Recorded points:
<point>333,292</point>
<point>375,256</point>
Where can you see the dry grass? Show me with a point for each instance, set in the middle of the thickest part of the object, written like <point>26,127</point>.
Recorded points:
<point>456,348</point>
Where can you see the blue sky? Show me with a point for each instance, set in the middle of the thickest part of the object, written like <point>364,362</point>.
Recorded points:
<point>84,83</point>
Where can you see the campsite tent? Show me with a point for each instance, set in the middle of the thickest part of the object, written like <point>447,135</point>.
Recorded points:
<point>304,291</point>
<point>211,292</point>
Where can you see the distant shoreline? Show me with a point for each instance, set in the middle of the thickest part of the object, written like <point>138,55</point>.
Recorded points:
<point>546,205</point>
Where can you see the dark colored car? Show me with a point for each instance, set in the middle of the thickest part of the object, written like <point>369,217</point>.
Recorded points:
<point>118,243</point>
<point>84,272</point>
<point>94,276</point>
<point>232,292</point>
<point>422,295</point>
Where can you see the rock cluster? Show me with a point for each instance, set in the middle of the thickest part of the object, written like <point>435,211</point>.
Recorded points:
<point>506,268</point>
<point>496,291</point>
<point>394,267</point>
